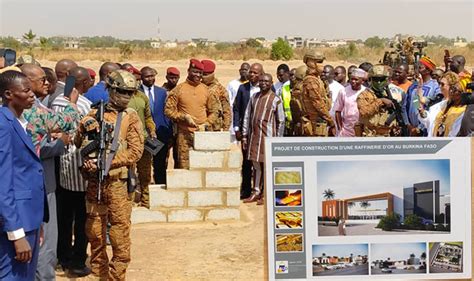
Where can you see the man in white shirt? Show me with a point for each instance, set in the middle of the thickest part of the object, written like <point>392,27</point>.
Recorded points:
<point>334,87</point>
<point>232,89</point>
<point>283,75</point>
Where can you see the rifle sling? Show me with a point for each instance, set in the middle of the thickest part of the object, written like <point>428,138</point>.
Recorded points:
<point>113,148</point>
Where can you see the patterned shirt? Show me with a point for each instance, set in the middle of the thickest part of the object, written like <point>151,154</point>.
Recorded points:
<point>42,121</point>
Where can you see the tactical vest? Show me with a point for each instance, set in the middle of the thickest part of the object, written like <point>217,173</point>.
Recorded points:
<point>110,119</point>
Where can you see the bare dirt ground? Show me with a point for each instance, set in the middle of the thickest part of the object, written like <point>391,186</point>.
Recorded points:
<point>199,251</point>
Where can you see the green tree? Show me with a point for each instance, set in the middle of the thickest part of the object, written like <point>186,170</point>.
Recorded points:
<point>29,37</point>
<point>45,44</point>
<point>413,221</point>
<point>389,222</point>
<point>281,50</point>
<point>374,42</point>
<point>10,42</point>
<point>347,52</point>
<point>126,50</point>
<point>329,194</point>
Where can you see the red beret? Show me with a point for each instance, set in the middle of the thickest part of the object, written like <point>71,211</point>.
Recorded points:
<point>172,70</point>
<point>91,73</point>
<point>194,63</point>
<point>134,70</point>
<point>209,66</point>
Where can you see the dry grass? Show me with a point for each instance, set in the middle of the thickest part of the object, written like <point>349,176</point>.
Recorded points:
<point>232,53</point>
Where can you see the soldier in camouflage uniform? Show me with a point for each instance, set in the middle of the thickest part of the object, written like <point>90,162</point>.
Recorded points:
<point>220,92</point>
<point>192,107</point>
<point>375,106</point>
<point>297,111</point>
<point>315,99</point>
<point>114,206</point>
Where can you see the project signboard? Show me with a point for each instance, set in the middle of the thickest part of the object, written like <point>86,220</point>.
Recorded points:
<point>370,208</point>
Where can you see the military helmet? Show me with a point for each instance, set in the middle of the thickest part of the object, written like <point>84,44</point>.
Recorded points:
<point>122,80</point>
<point>313,54</point>
<point>27,59</point>
<point>379,70</point>
<point>300,72</point>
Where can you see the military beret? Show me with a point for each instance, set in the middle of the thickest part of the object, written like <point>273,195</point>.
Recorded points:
<point>133,70</point>
<point>91,73</point>
<point>194,63</point>
<point>172,70</point>
<point>209,66</point>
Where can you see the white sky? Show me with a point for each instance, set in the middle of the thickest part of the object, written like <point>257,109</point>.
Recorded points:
<point>396,252</point>
<point>375,177</point>
<point>234,19</point>
<point>343,250</point>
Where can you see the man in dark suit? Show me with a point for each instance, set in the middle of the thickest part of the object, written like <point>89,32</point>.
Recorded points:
<point>22,194</point>
<point>242,98</point>
<point>164,128</point>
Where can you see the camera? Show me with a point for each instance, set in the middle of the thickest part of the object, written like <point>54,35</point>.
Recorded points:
<point>9,55</point>
<point>470,86</point>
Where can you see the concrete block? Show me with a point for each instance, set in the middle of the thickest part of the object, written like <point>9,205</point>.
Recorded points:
<point>235,158</point>
<point>204,198</point>
<point>223,179</point>
<point>160,197</point>
<point>181,178</point>
<point>206,159</point>
<point>233,198</point>
<point>187,215</point>
<point>143,215</point>
<point>223,214</point>
<point>212,140</point>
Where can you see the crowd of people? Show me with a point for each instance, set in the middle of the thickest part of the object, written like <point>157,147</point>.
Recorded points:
<point>57,195</point>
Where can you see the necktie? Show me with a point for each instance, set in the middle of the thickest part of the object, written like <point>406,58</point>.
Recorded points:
<point>150,94</point>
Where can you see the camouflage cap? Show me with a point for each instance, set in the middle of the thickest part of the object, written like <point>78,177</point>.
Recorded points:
<point>315,55</point>
<point>300,72</point>
<point>122,79</point>
<point>27,59</point>
<point>379,70</point>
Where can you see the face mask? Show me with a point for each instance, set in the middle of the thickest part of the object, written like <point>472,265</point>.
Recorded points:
<point>379,86</point>
<point>207,79</point>
<point>119,101</point>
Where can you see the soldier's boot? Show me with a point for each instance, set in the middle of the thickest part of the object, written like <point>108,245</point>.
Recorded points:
<point>96,224</point>
<point>119,212</point>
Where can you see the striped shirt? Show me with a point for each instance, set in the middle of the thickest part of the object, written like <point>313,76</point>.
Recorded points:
<point>264,117</point>
<point>70,174</point>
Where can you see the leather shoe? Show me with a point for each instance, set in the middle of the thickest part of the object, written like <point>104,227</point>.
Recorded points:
<point>80,272</point>
<point>260,201</point>
<point>253,198</point>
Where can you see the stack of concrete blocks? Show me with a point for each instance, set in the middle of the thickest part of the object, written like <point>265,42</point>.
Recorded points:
<point>208,191</point>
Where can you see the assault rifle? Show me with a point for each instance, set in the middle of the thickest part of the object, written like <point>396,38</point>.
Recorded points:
<point>396,113</point>
<point>99,144</point>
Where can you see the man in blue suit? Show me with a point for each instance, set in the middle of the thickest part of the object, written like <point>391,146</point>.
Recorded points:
<point>164,127</point>
<point>242,98</point>
<point>22,194</point>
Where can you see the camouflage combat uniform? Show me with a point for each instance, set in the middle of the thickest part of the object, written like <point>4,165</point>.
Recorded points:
<point>316,103</point>
<point>297,111</point>
<point>141,104</point>
<point>195,100</point>
<point>373,114</point>
<point>114,206</point>
<point>224,115</point>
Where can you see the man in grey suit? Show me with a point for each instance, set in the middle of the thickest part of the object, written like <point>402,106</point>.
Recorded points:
<point>47,254</point>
